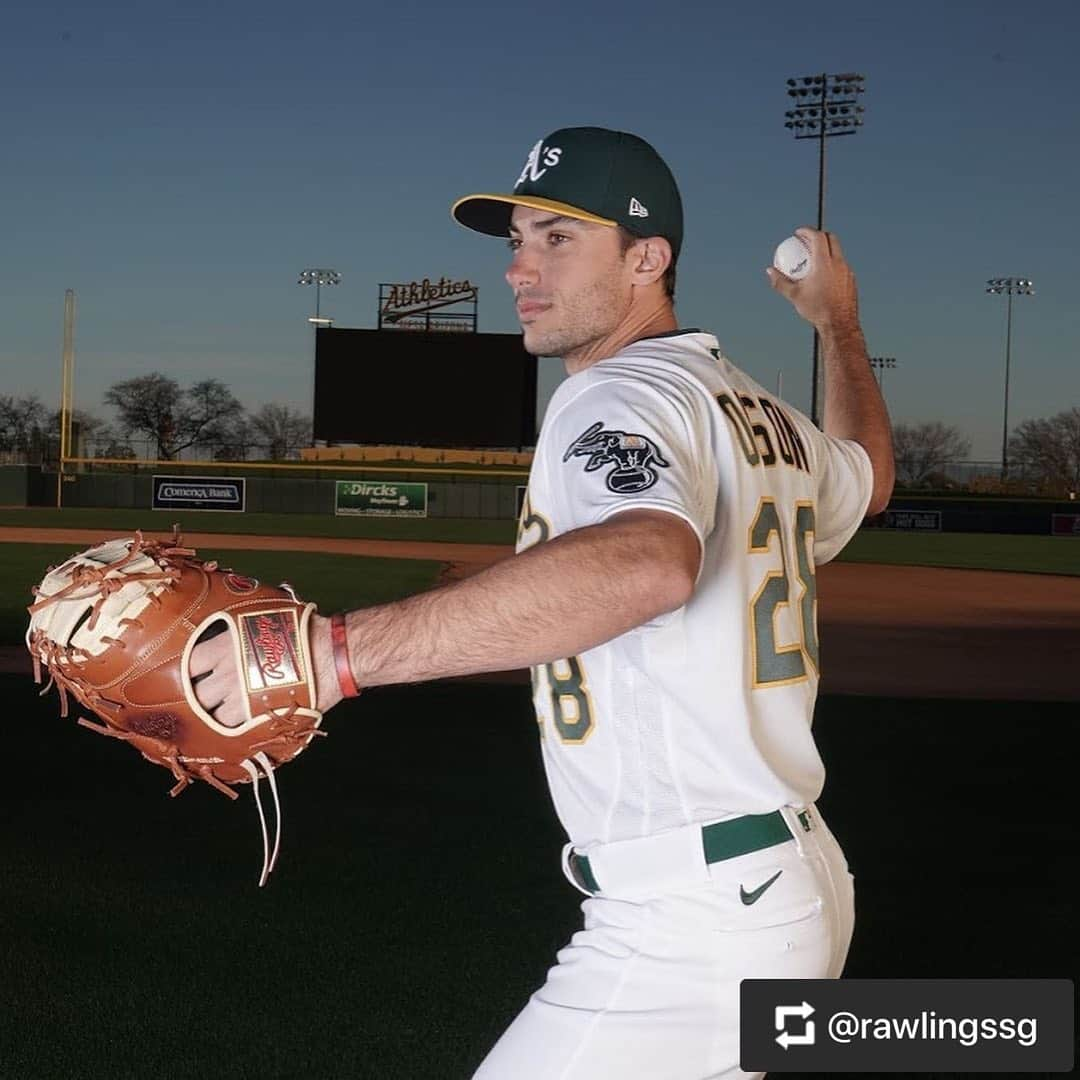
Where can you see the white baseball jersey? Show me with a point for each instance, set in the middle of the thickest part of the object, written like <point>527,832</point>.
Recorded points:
<point>704,712</point>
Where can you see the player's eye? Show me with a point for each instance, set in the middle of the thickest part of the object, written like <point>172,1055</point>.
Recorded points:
<point>514,243</point>
<point>557,238</point>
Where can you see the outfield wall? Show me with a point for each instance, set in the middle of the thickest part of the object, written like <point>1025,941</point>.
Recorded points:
<point>464,493</point>
<point>1031,517</point>
<point>14,484</point>
<point>456,497</point>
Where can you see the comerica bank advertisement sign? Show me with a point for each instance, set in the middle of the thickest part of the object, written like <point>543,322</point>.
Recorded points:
<point>198,493</point>
<point>380,498</point>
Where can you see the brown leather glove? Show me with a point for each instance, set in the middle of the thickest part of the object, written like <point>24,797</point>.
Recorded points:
<point>115,626</point>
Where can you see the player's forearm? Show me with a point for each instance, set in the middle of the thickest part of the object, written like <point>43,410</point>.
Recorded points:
<point>854,407</point>
<point>552,601</point>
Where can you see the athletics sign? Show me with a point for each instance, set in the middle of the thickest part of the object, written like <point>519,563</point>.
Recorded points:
<point>409,306</point>
<point>198,493</point>
<point>380,498</point>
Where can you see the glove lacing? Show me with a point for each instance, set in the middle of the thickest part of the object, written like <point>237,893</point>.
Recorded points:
<point>269,858</point>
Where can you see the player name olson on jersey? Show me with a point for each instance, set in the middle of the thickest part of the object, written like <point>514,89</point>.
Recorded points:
<point>753,436</point>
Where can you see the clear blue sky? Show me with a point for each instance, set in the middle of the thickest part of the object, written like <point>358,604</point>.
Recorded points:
<point>177,165</point>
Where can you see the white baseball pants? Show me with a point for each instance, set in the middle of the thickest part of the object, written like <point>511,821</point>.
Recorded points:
<point>649,989</point>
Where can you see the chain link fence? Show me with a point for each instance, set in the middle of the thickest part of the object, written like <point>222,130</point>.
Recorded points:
<point>46,451</point>
<point>980,478</point>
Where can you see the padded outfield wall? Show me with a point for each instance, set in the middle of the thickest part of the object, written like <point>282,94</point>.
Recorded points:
<point>470,493</point>
<point>274,489</point>
<point>1033,517</point>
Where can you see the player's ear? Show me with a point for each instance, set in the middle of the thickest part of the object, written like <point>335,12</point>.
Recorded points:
<point>651,258</point>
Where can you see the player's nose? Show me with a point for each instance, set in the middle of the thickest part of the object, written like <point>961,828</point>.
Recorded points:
<point>523,270</point>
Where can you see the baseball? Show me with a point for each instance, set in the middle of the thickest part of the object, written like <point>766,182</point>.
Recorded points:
<point>792,258</point>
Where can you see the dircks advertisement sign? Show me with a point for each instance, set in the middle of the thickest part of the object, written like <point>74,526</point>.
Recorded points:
<point>380,498</point>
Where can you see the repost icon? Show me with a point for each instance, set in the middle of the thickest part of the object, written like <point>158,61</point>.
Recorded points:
<point>785,1038</point>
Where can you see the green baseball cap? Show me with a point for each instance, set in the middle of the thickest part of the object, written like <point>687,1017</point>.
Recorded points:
<point>592,174</point>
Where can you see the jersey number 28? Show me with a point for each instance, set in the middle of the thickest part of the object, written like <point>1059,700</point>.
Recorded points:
<point>776,664</point>
<point>571,705</point>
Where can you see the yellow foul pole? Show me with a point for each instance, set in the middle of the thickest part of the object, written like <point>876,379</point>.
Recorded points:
<point>67,391</point>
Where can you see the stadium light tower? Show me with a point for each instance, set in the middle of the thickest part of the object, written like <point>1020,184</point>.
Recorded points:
<point>1010,287</point>
<point>881,364</point>
<point>825,105</point>
<point>317,276</point>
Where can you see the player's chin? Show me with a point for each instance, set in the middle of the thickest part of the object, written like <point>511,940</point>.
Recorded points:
<point>533,340</point>
<point>541,343</point>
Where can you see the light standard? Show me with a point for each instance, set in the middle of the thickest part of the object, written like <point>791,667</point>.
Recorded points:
<point>1018,287</point>
<point>317,276</point>
<point>826,106</point>
<point>880,364</point>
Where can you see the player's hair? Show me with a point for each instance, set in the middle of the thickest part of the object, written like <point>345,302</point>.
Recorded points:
<point>627,239</point>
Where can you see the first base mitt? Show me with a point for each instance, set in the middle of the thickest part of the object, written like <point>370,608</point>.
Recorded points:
<point>114,627</point>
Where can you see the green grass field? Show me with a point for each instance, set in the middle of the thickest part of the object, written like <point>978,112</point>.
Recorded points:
<point>968,551</point>
<point>418,899</point>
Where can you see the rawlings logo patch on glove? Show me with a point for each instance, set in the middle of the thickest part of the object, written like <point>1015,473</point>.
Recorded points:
<point>115,625</point>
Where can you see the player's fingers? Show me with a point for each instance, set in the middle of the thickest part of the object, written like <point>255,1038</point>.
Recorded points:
<point>210,690</point>
<point>780,282</point>
<point>230,712</point>
<point>823,245</point>
<point>811,237</point>
<point>209,653</point>
<point>219,695</point>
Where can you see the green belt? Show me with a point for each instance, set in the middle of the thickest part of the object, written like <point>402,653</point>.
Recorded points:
<point>721,840</point>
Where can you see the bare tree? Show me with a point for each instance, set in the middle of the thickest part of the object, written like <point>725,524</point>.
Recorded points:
<point>212,414</point>
<point>1049,450</point>
<point>230,441</point>
<point>281,429</point>
<point>86,427</point>
<point>148,405</point>
<point>156,406</point>
<point>112,446</point>
<point>922,449</point>
<point>22,422</point>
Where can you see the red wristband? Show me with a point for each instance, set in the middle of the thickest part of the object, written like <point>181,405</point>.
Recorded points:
<point>341,656</point>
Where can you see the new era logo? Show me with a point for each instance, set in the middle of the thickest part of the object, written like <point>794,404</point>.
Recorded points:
<point>637,210</point>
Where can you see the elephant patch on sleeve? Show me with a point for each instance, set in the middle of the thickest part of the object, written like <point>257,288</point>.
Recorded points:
<point>634,458</point>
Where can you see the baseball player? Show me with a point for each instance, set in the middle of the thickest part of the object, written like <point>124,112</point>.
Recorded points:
<point>663,593</point>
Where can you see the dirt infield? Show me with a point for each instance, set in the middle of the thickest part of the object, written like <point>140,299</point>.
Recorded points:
<point>901,631</point>
<point>914,631</point>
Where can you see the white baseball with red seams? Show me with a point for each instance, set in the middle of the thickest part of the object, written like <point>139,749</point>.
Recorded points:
<point>792,258</point>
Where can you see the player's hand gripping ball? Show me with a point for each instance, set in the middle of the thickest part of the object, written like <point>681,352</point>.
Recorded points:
<point>114,627</point>
<point>792,258</point>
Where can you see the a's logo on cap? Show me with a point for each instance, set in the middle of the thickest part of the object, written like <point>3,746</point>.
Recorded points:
<point>637,210</point>
<point>547,156</point>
